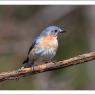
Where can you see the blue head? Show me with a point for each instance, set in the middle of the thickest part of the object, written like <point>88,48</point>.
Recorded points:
<point>52,30</point>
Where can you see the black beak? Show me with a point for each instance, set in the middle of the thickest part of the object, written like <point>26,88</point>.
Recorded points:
<point>63,31</point>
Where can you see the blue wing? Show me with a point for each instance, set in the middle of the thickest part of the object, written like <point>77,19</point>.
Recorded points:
<point>36,40</point>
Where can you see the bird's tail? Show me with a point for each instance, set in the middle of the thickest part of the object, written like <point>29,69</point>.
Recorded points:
<point>27,63</point>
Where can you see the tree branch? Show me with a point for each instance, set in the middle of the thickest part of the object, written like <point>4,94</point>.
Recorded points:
<point>46,67</point>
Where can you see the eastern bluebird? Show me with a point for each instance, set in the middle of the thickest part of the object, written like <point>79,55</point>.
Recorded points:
<point>44,46</point>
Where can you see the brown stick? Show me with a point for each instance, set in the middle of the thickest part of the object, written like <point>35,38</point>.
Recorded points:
<point>47,67</point>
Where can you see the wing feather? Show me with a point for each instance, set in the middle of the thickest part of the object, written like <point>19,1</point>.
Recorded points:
<point>36,40</point>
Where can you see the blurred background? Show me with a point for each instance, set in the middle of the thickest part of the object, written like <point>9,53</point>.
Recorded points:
<point>19,24</point>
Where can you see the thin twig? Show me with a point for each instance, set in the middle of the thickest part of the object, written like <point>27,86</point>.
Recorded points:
<point>16,74</point>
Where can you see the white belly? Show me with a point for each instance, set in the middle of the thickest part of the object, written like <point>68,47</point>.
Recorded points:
<point>44,55</point>
<point>48,53</point>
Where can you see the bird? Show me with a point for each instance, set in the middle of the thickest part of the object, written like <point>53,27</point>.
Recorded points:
<point>44,46</point>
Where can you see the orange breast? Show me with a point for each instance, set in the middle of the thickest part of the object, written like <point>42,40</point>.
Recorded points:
<point>48,41</point>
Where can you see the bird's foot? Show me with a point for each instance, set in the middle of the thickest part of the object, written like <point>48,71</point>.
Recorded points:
<point>49,61</point>
<point>33,67</point>
<point>46,62</point>
<point>53,61</point>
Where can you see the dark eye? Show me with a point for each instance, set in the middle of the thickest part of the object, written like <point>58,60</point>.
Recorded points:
<point>55,31</point>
